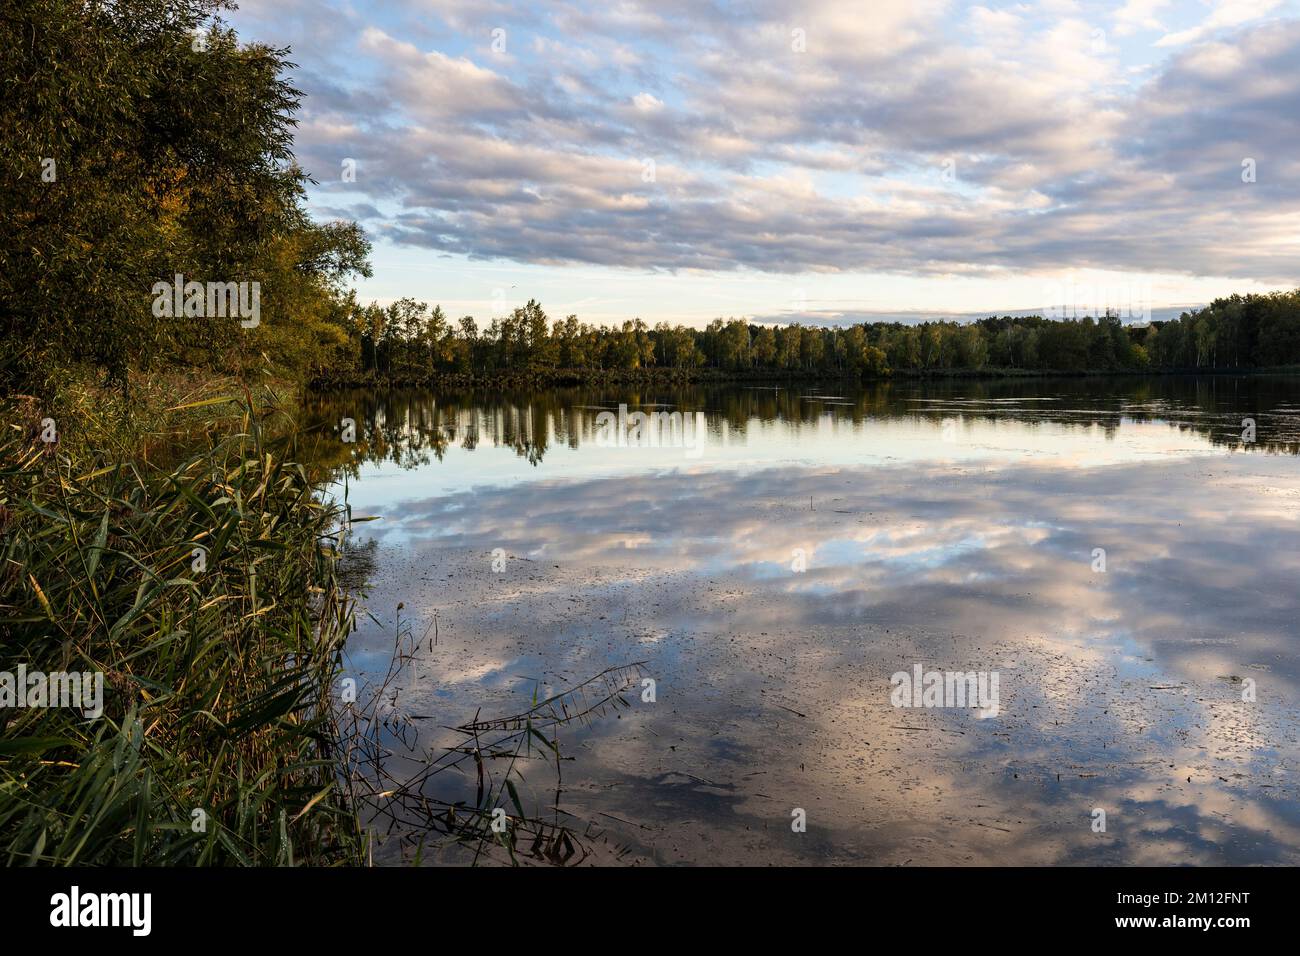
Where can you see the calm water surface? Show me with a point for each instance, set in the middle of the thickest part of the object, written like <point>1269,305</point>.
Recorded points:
<point>772,570</point>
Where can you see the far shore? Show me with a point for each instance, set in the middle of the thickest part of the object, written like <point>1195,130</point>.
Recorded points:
<point>560,378</point>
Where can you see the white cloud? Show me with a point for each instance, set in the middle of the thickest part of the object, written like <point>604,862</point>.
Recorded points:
<point>1138,15</point>
<point>1226,13</point>
<point>647,102</point>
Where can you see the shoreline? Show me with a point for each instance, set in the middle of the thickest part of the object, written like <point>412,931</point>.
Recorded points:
<point>567,378</point>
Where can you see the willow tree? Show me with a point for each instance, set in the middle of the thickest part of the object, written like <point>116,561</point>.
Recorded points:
<point>141,141</point>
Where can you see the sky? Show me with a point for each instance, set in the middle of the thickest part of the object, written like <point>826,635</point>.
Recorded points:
<point>819,161</point>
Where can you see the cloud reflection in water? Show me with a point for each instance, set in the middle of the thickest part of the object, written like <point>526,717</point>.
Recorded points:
<point>774,685</point>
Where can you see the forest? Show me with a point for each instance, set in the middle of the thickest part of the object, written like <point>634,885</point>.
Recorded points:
<point>408,340</point>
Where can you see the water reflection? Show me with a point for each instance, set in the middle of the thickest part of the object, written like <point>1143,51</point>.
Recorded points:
<point>972,550</point>
<point>412,428</point>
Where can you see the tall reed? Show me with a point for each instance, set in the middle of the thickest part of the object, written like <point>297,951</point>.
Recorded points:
<point>206,593</point>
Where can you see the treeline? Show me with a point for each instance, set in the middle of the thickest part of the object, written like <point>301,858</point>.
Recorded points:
<point>408,341</point>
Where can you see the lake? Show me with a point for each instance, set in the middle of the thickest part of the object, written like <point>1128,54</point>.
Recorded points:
<point>729,582</point>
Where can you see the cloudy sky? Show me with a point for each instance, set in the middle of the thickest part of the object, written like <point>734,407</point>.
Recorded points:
<point>818,160</point>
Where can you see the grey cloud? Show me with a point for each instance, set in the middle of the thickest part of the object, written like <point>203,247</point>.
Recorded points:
<point>507,159</point>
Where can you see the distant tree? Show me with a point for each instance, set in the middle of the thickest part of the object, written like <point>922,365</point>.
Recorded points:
<point>765,347</point>
<point>382,337</point>
<point>972,349</point>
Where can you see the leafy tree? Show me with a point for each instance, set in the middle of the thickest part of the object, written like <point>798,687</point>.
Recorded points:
<point>142,141</point>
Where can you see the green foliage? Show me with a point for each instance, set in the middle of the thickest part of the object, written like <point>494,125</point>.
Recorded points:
<point>408,342</point>
<point>217,679</point>
<point>142,141</point>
